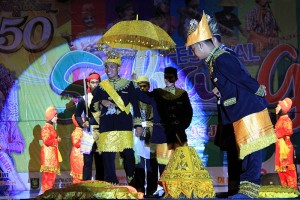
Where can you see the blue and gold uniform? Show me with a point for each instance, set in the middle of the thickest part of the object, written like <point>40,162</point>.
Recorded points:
<point>242,101</point>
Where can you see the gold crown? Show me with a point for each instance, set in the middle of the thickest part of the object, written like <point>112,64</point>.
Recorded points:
<point>198,32</point>
<point>113,57</point>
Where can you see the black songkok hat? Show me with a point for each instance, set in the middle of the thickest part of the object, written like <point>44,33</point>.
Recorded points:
<point>171,70</point>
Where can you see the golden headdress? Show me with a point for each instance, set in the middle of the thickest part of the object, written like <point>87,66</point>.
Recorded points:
<point>113,57</point>
<point>142,79</point>
<point>198,32</point>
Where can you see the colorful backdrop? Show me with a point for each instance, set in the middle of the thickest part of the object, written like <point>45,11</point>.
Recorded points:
<point>45,45</point>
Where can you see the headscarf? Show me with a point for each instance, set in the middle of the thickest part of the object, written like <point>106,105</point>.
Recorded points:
<point>285,105</point>
<point>50,113</point>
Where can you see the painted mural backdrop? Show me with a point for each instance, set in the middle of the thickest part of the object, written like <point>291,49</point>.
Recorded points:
<point>45,45</point>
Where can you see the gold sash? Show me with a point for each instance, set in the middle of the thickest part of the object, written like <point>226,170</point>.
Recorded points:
<point>115,96</point>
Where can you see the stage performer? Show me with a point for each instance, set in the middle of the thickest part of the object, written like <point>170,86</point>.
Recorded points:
<point>225,138</point>
<point>172,116</point>
<point>146,164</point>
<point>117,95</point>
<point>91,122</point>
<point>50,155</point>
<point>76,158</point>
<point>284,153</point>
<point>243,104</point>
<point>172,112</point>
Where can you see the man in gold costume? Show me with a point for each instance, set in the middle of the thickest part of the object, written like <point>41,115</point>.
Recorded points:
<point>116,95</point>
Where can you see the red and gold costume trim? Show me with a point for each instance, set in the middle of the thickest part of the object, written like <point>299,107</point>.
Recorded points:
<point>76,158</point>
<point>49,150</point>
<point>284,153</point>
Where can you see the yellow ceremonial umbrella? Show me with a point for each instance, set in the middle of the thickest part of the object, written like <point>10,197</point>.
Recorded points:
<point>138,35</point>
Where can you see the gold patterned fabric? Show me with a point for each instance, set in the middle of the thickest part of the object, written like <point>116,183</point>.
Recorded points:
<point>250,189</point>
<point>186,177</point>
<point>278,191</point>
<point>163,154</point>
<point>254,132</point>
<point>115,141</point>
<point>95,132</point>
<point>92,190</point>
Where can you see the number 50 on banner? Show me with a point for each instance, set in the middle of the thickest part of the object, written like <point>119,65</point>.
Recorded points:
<point>37,33</point>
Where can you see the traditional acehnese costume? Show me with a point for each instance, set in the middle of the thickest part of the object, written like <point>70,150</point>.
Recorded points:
<point>243,104</point>
<point>50,155</point>
<point>117,122</point>
<point>76,158</point>
<point>284,153</point>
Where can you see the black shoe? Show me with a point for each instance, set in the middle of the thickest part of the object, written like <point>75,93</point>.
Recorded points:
<point>151,196</point>
<point>222,195</point>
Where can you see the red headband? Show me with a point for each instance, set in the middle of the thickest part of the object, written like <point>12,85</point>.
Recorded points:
<point>93,76</point>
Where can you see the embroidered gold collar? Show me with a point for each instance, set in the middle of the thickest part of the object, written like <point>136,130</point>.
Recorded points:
<point>118,84</point>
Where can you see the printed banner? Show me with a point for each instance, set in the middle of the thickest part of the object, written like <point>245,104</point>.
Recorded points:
<point>46,45</point>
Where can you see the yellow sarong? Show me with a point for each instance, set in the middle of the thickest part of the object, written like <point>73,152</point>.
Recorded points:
<point>254,132</point>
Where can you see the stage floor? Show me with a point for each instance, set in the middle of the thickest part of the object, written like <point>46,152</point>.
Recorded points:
<point>35,193</point>
<point>22,195</point>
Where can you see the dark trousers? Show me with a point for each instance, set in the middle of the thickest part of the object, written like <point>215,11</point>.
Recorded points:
<point>88,165</point>
<point>151,173</point>
<point>161,168</point>
<point>110,168</point>
<point>251,167</point>
<point>234,169</point>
